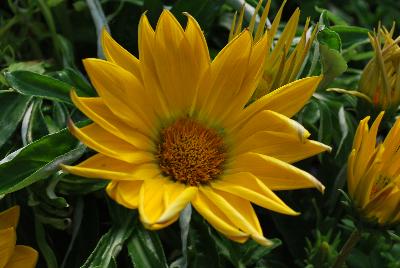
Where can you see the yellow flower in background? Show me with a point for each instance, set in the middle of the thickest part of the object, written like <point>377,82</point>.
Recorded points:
<point>374,173</point>
<point>380,79</point>
<point>11,255</point>
<point>283,64</point>
<point>171,128</point>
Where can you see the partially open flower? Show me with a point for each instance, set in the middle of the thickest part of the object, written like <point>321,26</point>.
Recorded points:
<point>374,173</point>
<point>282,64</point>
<point>380,79</point>
<point>11,255</point>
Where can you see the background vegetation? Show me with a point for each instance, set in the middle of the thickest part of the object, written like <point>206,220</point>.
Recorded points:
<point>70,220</point>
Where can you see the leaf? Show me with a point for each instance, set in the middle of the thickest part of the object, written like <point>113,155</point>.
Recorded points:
<point>205,11</point>
<point>33,84</point>
<point>110,244</point>
<point>333,64</point>
<point>350,34</point>
<point>76,80</point>
<point>13,106</point>
<point>330,38</point>
<point>45,249</point>
<point>244,255</point>
<point>184,224</point>
<point>145,248</point>
<point>38,160</point>
<point>202,250</point>
<point>154,9</point>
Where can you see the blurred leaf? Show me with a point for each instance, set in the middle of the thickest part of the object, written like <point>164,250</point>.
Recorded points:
<point>77,80</point>
<point>333,64</point>
<point>32,84</point>
<point>243,255</point>
<point>202,250</point>
<point>38,160</point>
<point>350,34</point>
<point>110,244</point>
<point>46,250</point>
<point>13,107</point>
<point>145,248</point>
<point>330,39</point>
<point>154,9</point>
<point>331,16</point>
<point>184,224</point>
<point>205,11</point>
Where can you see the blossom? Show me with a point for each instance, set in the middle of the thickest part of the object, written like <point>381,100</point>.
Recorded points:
<point>173,128</point>
<point>11,255</point>
<point>282,64</point>
<point>380,79</point>
<point>374,173</point>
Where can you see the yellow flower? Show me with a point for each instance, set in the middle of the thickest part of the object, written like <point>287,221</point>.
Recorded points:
<point>11,255</point>
<point>170,129</point>
<point>374,173</point>
<point>380,79</point>
<point>282,64</point>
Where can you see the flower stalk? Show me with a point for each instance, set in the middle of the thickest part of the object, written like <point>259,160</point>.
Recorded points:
<point>347,248</point>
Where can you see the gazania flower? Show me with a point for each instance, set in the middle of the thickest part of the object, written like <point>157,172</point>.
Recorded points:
<point>171,128</point>
<point>282,63</point>
<point>11,255</point>
<point>380,79</point>
<point>374,173</point>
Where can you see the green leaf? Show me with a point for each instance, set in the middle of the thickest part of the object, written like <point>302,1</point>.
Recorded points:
<point>244,255</point>
<point>76,80</point>
<point>145,248</point>
<point>38,160</point>
<point>13,106</point>
<point>33,84</point>
<point>45,250</point>
<point>154,9</point>
<point>350,34</point>
<point>330,38</point>
<point>333,64</point>
<point>111,243</point>
<point>202,250</point>
<point>205,11</point>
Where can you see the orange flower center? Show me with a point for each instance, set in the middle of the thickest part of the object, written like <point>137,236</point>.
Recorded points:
<point>190,153</point>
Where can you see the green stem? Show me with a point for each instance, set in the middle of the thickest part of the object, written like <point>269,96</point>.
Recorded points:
<point>348,246</point>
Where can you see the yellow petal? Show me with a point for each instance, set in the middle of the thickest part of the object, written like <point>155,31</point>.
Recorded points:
<point>148,68</point>
<point>228,71</point>
<point>285,147</point>
<point>271,121</point>
<point>122,92</point>
<point>239,211</point>
<point>23,257</point>
<point>176,63</point>
<point>118,55</point>
<point>161,201</point>
<point>125,193</point>
<point>286,100</point>
<point>275,174</point>
<point>100,166</point>
<point>213,215</point>
<point>250,81</point>
<point>176,198</point>
<point>352,181</point>
<point>7,245</point>
<point>196,39</point>
<point>108,144</point>
<point>367,147</point>
<point>9,218</point>
<point>95,109</point>
<point>248,186</point>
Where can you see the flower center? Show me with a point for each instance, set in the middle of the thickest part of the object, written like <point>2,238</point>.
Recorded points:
<point>191,153</point>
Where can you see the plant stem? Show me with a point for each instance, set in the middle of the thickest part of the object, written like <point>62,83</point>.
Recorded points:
<point>348,246</point>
